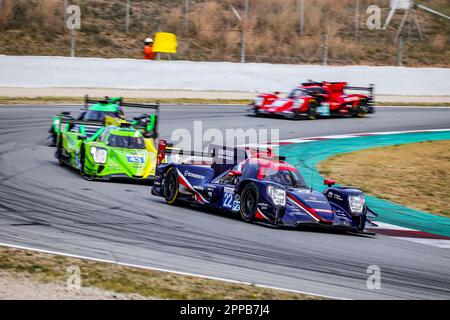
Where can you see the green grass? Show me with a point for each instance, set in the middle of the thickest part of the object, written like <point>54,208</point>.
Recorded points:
<point>49,268</point>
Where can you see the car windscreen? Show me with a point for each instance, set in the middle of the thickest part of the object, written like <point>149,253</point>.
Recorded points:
<point>297,93</point>
<point>288,178</point>
<point>126,142</point>
<point>316,90</point>
<point>93,115</point>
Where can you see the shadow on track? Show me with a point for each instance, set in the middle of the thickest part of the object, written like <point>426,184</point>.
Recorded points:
<point>196,209</point>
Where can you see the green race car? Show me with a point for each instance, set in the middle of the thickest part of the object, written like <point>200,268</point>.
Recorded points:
<point>96,113</point>
<point>113,152</point>
<point>115,148</point>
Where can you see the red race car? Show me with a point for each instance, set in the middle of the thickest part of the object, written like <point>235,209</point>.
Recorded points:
<point>312,99</point>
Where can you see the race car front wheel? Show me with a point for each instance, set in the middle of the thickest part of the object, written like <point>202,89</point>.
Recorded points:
<point>59,153</point>
<point>171,186</point>
<point>256,111</point>
<point>82,161</point>
<point>249,202</point>
<point>312,110</point>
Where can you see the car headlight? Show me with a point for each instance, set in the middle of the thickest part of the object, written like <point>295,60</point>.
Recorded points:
<point>278,195</point>
<point>259,102</point>
<point>356,203</point>
<point>99,155</point>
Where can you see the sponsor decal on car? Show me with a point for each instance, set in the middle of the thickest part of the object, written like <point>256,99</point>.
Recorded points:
<point>316,201</point>
<point>263,205</point>
<point>187,173</point>
<point>349,99</point>
<point>135,159</point>
<point>279,103</point>
<point>225,154</point>
<point>337,197</point>
<point>297,213</point>
<point>231,200</point>
<point>324,210</point>
<point>324,109</point>
<point>237,203</point>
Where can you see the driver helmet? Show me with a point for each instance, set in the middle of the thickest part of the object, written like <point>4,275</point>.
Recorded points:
<point>148,41</point>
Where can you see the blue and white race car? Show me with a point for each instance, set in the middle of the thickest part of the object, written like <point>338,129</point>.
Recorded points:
<point>260,187</point>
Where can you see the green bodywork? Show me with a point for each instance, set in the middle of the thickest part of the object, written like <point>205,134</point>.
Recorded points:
<point>78,151</point>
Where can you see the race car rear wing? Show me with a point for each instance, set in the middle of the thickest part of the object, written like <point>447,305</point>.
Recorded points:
<point>148,123</point>
<point>370,90</point>
<point>94,126</point>
<point>221,158</point>
<point>167,151</point>
<point>264,153</point>
<point>106,100</point>
<point>119,101</point>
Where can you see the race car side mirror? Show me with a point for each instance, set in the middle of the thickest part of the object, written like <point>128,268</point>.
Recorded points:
<point>329,182</point>
<point>234,173</point>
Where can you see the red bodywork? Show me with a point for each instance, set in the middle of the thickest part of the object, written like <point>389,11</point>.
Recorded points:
<point>315,98</point>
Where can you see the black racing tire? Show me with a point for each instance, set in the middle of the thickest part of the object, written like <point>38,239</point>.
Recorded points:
<point>312,109</point>
<point>249,202</point>
<point>59,153</point>
<point>82,160</point>
<point>360,110</point>
<point>53,137</point>
<point>170,186</point>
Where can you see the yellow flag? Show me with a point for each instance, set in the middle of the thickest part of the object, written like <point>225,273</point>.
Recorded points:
<point>165,42</point>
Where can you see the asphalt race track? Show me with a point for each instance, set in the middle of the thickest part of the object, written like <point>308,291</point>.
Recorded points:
<point>49,207</point>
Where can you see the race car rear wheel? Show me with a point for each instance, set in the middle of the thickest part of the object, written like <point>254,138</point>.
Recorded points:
<point>249,202</point>
<point>171,186</point>
<point>312,111</point>
<point>360,111</point>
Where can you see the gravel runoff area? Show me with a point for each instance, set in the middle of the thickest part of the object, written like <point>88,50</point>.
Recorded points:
<point>177,94</point>
<point>15,286</point>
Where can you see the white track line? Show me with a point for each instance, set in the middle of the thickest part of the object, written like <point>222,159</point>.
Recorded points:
<point>438,243</point>
<point>353,135</point>
<point>166,270</point>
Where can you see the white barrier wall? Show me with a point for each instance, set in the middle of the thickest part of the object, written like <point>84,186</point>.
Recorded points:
<point>37,72</point>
